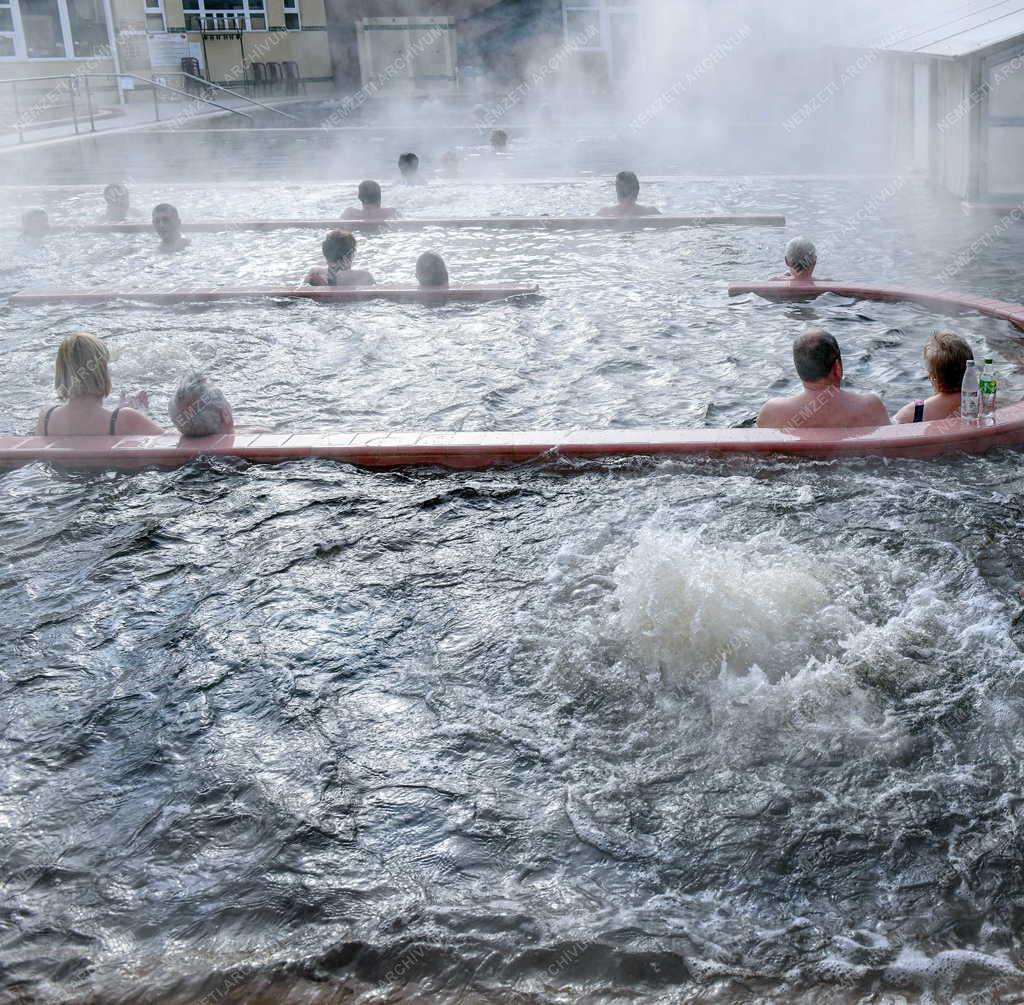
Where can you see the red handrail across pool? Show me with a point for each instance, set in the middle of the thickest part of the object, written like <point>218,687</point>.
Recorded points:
<point>480,450</point>
<point>939,300</point>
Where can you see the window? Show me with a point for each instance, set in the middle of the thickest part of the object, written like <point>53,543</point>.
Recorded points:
<point>88,28</point>
<point>155,20</point>
<point>292,21</point>
<point>583,27</point>
<point>44,33</point>
<point>7,46</point>
<point>53,29</point>
<point>224,15</point>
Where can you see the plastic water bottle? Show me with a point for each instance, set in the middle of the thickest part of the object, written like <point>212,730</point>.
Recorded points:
<point>970,392</point>
<point>987,386</point>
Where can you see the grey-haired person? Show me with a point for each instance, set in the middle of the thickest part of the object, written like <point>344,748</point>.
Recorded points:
<point>198,408</point>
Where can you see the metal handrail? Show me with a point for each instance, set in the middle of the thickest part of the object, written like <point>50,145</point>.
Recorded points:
<point>167,87</point>
<point>73,82</point>
<point>237,94</point>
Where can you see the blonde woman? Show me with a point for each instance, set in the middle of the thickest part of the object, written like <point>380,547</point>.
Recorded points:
<point>82,380</point>
<point>945,356</point>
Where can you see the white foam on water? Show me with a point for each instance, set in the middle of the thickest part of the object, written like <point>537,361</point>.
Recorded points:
<point>693,607</point>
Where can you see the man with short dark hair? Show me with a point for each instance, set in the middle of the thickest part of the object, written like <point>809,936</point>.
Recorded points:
<point>823,403</point>
<point>627,191</point>
<point>339,248</point>
<point>409,167</point>
<point>370,197</point>
<point>167,224</point>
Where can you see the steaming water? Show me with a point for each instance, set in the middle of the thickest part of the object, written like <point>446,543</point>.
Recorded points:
<point>682,731</point>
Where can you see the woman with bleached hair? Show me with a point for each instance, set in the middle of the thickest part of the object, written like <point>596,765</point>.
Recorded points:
<point>81,379</point>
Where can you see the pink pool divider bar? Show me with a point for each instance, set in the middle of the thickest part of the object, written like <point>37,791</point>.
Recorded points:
<point>473,293</point>
<point>480,450</point>
<point>946,301</point>
<point>663,222</point>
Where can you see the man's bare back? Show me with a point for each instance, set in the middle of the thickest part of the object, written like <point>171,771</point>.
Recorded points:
<point>824,408</point>
<point>629,209</point>
<point>822,404</point>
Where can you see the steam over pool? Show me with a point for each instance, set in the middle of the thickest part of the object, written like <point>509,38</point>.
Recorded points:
<point>691,730</point>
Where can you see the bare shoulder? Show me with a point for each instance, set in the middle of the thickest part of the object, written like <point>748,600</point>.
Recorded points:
<point>773,413</point>
<point>874,408</point>
<point>315,277</point>
<point>131,422</point>
<point>41,417</point>
<point>905,414</point>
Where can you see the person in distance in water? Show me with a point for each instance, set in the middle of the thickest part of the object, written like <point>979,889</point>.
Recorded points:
<point>81,378</point>
<point>35,225</point>
<point>499,141</point>
<point>118,202</point>
<point>431,272</point>
<point>627,190</point>
<point>370,207</point>
<point>801,259</point>
<point>945,356</point>
<point>339,250</point>
<point>409,168</point>
<point>167,224</point>
<point>822,403</point>
<point>199,408</point>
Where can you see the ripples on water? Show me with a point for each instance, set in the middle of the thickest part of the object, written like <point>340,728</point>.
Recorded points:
<point>693,730</point>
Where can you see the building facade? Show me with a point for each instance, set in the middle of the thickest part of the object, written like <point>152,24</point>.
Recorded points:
<point>114,38</point>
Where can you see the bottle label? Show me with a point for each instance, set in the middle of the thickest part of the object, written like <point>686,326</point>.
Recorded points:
<point>987,386</point>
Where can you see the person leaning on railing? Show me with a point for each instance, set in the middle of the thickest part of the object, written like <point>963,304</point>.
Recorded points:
<point>945,356</point>
<point>81,379</point>
<point>199,408</point>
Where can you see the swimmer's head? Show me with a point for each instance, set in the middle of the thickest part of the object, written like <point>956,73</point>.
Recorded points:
<point>408,164</point>
<point>82,369</point>
<point>431,270</point>
<point>166,221</point>
<point>801,258</point>
<point>816,357</point>
<point>199,408</point>
<point>35,222</point>
<point>627,186</point>
<point>370,194</point>
<point>116,196</point>
<point>339,249</point>
<point>499,139</point>
<point>450,162</point>
<point>946,356</point>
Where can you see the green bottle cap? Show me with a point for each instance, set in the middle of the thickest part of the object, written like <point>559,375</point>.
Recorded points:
<point>987,361</point>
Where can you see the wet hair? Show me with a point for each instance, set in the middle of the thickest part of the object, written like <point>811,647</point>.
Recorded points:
<point>408,163</point>
<point>115,192</point>
<point>801,254</point>
<point>82,367</point>
<point>166,207</point>
<point>815,353</point>
<point>431,270</point>
<point>946,356</point>
<point>369,193</point>
<point>627,185</point>
<point>338,244</point>
<point>499,139</point>
<point>199,408</point>
<point>35,220</point>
